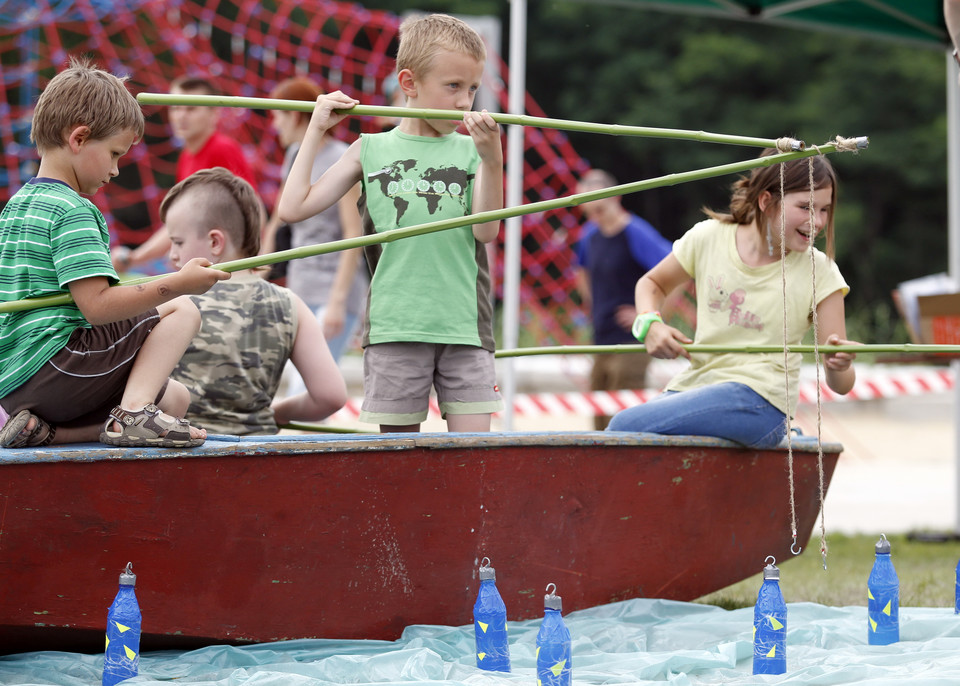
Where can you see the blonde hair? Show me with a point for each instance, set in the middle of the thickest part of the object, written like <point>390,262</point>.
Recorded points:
<point>423,37</point>
<point>229,203</point>
<point>745,199</point>
<point>83,95</point>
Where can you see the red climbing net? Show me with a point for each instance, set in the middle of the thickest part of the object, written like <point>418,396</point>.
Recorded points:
<point>246,47</point>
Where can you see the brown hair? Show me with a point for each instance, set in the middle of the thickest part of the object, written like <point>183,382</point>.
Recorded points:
<point>83,95</point>
<point>297,88</point>
<point>422,37</point>
<point>745,199</point>
<point>195,83</point>
<point>229,203</point>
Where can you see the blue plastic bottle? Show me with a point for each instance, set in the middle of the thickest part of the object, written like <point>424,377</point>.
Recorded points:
<point>956,600</point>
<point>770,624</point>
<point>554,660</point>
<point>122,657</point>
<point>490,623</point>
<point>883,598</point>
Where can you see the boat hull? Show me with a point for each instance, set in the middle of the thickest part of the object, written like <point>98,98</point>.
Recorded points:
<point>251,540</point>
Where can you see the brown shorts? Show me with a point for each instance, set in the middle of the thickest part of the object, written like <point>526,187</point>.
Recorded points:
<point>86,379</point>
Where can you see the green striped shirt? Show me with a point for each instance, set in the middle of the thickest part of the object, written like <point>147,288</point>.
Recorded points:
<point>49,237</point>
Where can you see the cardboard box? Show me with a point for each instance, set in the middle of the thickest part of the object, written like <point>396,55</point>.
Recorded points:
<point>939,318</point>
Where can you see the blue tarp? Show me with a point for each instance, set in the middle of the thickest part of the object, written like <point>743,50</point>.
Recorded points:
<point>633,642</point>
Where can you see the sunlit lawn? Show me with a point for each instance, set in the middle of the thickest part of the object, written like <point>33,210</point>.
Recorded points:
<point>927,572</point>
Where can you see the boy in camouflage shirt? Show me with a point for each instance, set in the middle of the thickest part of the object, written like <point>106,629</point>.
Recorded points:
<point>251,327</point>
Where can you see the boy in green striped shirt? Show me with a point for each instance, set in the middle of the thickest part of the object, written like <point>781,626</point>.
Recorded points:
<point>63,368</point>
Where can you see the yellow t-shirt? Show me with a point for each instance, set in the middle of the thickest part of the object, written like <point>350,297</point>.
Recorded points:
<point>742,305</point>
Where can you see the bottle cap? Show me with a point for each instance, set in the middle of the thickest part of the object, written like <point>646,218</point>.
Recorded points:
<point>771,571</point>
<point>487,572</point>
<point>551,601</point>
<point>127,577</point>
<point>883,545</point>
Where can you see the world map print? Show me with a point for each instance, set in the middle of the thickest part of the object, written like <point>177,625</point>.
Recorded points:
<point>431,185</point>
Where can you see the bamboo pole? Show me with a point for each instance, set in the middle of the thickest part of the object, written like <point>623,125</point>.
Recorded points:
<point>500,118</point>
<point>478,218</point>
<point>871,348</point>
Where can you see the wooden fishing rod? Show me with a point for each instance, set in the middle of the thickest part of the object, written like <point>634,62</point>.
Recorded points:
<point>859,349</point>
<point>781,144</point>
<point>478,218</point>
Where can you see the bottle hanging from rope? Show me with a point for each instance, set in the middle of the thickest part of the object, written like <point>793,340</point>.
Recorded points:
<point>554,658</point>
<point>490,623</point>
<point>770,624</point>
<point>121,659</point>
<point>883,598</point>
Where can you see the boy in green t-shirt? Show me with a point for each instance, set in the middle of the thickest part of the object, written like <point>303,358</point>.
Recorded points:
<point>429,318</point>
<point>65,367</point>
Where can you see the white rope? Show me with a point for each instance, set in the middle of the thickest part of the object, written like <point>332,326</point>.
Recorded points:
<point>786,367</point>
<point>816,361</point>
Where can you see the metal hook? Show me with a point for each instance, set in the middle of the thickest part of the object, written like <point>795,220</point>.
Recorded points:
<point>554,591</point>
<point>772,560</point>
<point>485,562</point>
<point>794,548</point>
<point>129,568</point>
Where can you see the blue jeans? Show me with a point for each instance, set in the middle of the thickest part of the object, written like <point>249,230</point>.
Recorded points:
<point>728,410</point>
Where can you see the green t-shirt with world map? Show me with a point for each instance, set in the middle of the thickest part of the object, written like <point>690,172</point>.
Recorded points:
<point>433,288</point>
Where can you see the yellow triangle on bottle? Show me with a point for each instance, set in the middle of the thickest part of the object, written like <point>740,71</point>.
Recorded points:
<point>775,624</point>
<point>483,626</point>
<point>557,668</point>
<point>121,627</point>
<point>873,624</point>
<point>481,656</point>
<point>130,654</point>
<point>773,652</point>
<point>108,643</point>
<point>886,610</point>
<point>538,652</point>
<point>870,594</point>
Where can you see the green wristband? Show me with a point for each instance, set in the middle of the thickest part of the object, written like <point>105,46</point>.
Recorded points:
<point>642,324</point>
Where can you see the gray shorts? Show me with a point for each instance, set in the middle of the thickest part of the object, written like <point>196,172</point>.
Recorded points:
<point>397,378</point>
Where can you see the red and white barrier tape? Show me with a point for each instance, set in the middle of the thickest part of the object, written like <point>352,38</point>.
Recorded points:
<point>871,385</point>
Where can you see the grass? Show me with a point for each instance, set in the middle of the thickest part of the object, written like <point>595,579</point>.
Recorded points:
<point>927,573</point>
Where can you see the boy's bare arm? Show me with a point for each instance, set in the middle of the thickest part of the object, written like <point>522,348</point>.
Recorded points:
<point>488,189</point>
<point>101,303</point>
<point>301,199</point>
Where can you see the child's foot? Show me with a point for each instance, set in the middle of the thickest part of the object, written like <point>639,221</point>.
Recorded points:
<point>26,430</point>
<point>149,427</point>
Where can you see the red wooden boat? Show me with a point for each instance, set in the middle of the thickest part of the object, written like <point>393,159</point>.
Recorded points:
<point>359,536</point>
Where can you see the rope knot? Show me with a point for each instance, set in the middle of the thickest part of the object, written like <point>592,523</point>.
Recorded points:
<point>850,144</point>
<point>787,144</point>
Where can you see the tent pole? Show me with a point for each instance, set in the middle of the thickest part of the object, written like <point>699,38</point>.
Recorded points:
<point>513,226</point>
<point>953,244</point>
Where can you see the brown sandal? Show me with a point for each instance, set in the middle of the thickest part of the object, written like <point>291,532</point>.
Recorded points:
<point>148,427</point>
<point>13,435</point>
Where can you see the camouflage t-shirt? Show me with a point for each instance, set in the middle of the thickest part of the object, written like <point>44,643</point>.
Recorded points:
<point>233,366</point>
